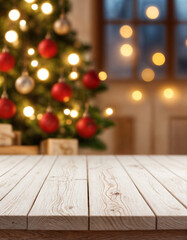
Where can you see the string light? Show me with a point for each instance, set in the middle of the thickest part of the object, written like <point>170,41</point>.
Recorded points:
<point>11,36</point>
<point>47,8</point>
<point>102,75</point>
<point>28,111</point>
<point>43,74</point>
<point>34,6</point>
<point>31,51</point>
<point>73,59</point>
<point>73,113</point>
<point>168,93</point>
<point>14,15</point>
<point>148,75</point>
<point>126,31</point>
<point>68,121</point>
<point>126,50</point>
<point>34,63</point>
<point>152,12</point>
<point>23,25</point>
<point>74,75</point>
<point>66,111</point>
<point>137,95</point>
<point>39,116</point>
<point>109,111</point>
<point>158,59</point>
<point>29,1</point>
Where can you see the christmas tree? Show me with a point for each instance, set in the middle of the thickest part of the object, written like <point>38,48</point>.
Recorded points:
<point>47,79</point>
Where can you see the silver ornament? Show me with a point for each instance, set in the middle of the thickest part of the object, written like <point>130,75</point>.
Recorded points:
<point>24,84</point>
<point>62,26</point>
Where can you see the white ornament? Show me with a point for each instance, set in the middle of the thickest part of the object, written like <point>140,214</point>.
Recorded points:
<point>62,25</point>
<point>24,84</point>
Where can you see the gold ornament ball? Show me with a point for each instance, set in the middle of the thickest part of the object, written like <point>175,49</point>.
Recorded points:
<point>62,26</point>
<point>24,84</point>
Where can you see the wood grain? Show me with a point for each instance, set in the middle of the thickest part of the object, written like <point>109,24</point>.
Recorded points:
<point>65,196</point>
<point>174,184</point>
<point>115,203</point>
<point>170,213</point>
<point>92,235</point>
<point>8,162</point>
<point>19,150</point>
<point>173,166</point>
<point>10,178</point>
<point>17,203</point>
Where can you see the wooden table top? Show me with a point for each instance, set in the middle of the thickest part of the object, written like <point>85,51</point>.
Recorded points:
<point>93,192</point>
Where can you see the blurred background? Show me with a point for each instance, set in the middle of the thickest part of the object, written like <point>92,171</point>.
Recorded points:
<point>141,48</point>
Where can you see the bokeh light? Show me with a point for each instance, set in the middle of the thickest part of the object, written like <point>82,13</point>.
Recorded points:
<point>137,95</point>
<point>126,31</point>
<point>74,75</point>
<point>148,75</point>
<point>31,51</point>
<point>47,8</point>
<point>11,36</point>
<point>158,59</point>
<point>108,111</point>
<point>14,15</point>
<point>23,25</point>
<point>152,12</point>
<point>168,93</point>
<point>73,113</point>
<point>102,75</point>
<point>73,59</point>
<point>34,63</point>
<point>34,6</point>
<point>66,111</point>
<point>28,111</point>
<point>29,1</point>
<point>126,50</point>
<point>43,74</point>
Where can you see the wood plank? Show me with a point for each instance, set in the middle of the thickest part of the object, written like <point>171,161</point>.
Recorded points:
<point>65,196</point>
<point>92,235</point>
<point>9,180</point>
<point>174,184</point>
<point>19,150</point>
<point>173,166</point>
<point>9,162</point>
<point>115,203</point>
<point>179,159</point>
<point>170,213</point>
<point>15,207</point>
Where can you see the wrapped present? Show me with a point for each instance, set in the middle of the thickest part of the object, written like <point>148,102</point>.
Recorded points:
<point>57,146</point>
<point>6,135</point>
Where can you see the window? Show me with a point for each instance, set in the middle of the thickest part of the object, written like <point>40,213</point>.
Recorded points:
<point>144,39</point>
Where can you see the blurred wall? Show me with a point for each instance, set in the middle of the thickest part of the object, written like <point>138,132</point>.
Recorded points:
<point>155,125</point>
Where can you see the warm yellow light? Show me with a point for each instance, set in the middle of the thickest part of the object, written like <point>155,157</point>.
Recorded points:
<point>152,12</point>
<point>28,111</point>
<point>74,75</point>
<point>47,8</point>
<point>11,36</point>
<point>23,25</point>
<point>126,31</point>
<point>158,59</point>
<point>14,15</point>
<point>102,76</point>
<point>43,74</point>
<point>137,95</point>
<point>66,111</point>
<point>39,116</point>
<point>109,111</point>
<point>68,121</point>
<point>29,1</point>
<point>186,42</point>
<point>168,93</point>
<point>73,113</point>
<point>126,50</point>
<point>34,63</point>
<point>148,75</point>
<point>34,6</point>
<point>31,51</point>
<point>73,59</point>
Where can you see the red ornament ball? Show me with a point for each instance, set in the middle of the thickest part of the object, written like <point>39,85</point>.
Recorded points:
<point>61,92</point>
<point>86,127</point>
<point>47,48</point>
<point>7,62</point>
<point>7,108</point>
<point>49,122</point>
<point>91,80</point>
